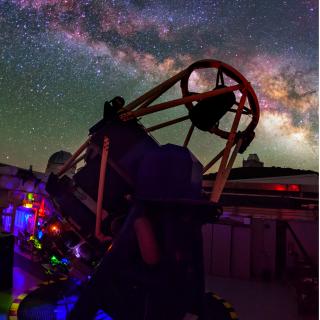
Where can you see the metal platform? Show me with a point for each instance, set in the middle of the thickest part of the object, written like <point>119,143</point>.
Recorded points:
<point>54,300</point>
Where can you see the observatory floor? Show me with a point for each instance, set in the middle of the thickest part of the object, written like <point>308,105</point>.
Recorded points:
<point>26,274</point>
<point>251,299</point>
<point>258,300</point>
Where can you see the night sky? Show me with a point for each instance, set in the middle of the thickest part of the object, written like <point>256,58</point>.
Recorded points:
<point>60,60</point>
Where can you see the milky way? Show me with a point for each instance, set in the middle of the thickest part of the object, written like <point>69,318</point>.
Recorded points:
<point>60,60</point>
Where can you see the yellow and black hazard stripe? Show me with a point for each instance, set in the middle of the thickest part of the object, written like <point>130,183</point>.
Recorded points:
<point>229,312</point>
<point>227,305</point>
<point>13,311</point>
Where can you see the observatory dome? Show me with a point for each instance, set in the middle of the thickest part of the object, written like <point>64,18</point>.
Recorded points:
<point>59,157</point>
<point>253,161</point>
<point>56,162</point>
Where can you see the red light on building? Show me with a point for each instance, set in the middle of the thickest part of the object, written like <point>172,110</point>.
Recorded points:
<point>286,187</point>
<point>294,187</point>
<point>280,187</point>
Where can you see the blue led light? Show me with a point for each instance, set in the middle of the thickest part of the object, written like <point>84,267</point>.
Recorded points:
<point>101,315</point>
<point>40,234</point>
<point>65,305</point>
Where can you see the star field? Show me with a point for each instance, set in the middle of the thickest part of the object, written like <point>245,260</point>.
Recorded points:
<point>60,60</point>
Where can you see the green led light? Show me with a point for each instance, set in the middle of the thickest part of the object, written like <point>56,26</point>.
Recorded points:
<point>30,196</point>
<point>54,260</point>
<point>37,244</point>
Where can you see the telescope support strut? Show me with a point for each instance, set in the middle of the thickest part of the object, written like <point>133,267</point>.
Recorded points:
<point>70,162</point>
<point>226,163</point>
<point>188,137</point>
<point>102,177</point>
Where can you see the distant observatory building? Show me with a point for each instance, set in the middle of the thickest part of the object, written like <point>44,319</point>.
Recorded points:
<point>253,161</point>
<point>57,160</point>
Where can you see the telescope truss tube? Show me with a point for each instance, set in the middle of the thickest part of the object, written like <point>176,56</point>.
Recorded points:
<point>235,139</point>
<point>142,107</point>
